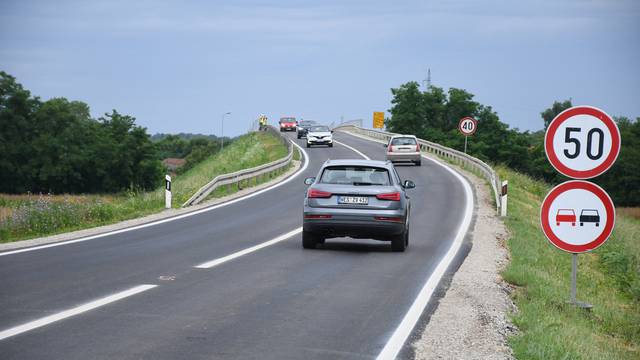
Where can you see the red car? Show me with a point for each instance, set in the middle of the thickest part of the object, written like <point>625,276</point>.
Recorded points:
<point>566,215</point>
<point>288,124</point>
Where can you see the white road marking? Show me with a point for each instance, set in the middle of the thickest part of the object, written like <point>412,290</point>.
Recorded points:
<point>402,332</point>
<point>72,312</point>
<point>138,227</point>
<point>224,259</point>
<point>352,148</point>
<point>218,261</point>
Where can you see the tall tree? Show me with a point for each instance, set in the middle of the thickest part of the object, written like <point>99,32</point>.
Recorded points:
<point>16,131</point>
<point>549,114</point>
<point>407,112</point>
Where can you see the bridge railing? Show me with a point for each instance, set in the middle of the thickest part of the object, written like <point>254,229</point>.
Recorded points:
<point>458,157</point>
<point>247,175</point>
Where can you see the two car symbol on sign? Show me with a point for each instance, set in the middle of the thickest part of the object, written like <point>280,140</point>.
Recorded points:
<point>569,216</point>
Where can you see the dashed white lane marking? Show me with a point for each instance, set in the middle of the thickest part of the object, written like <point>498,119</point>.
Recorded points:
<point>352,148</point>
<point>138,227</point>
<point>224,259</point>
<point>72,312</point>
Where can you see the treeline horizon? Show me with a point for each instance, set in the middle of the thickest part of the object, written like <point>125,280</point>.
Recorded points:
<point>55,146</point>
<point>434,115</point>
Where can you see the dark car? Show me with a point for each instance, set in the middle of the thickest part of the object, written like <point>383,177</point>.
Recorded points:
<point>589,216</point>
<point>303,126</point>
<point>359,199</point>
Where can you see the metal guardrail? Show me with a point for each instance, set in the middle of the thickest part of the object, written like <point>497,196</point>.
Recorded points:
<point>451,154</point>
<point>254,173</point>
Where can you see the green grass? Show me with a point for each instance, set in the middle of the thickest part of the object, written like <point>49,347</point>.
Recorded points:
<point>28,216</point>
<point>608,278</point>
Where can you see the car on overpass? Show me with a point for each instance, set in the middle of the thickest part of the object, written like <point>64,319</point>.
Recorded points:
<point>404,148</point>
<point>319,135</point>
<point>359,199</point>
<point>288,124</point>
<point>302,127</point>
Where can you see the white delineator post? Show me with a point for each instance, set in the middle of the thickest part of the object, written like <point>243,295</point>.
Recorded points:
<point>503,198</point>
<point>167,191</point>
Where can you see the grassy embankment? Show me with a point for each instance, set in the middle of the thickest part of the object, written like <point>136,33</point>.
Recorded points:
<point>29,216</point>
<point>608,278</point>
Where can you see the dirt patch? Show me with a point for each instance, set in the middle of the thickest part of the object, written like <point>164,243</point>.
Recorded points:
<point>631,212</point>
<point>471,320</point>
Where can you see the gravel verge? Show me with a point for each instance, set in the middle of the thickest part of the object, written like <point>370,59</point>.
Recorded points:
<point>472,321</point>
<point>146,219</point>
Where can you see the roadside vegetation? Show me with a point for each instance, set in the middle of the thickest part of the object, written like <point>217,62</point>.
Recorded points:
<point>608,278</point>
<point>434,115</point>
<point>28,216</point>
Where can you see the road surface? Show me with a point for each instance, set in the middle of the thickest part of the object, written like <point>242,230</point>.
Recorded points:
<point>343,300</point>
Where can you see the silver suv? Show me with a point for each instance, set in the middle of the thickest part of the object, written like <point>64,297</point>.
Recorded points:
<point>359,199</point>
<point>404,148</point>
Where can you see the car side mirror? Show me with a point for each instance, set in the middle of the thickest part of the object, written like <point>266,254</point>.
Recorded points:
<point>384,145</point>
<point>408,184</point>
<point>332,131</point>
<point>309,180</point>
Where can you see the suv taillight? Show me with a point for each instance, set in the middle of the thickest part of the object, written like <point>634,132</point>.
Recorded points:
<point>389,148</point>
<point>394,196</point>
<point>418,147</point>
<point>313,193</point>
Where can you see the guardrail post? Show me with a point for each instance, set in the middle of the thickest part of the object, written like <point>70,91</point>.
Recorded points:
<point>503,198</point>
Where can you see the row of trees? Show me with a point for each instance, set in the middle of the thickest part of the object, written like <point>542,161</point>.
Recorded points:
<point>55,146</point>
<point>434,115</point>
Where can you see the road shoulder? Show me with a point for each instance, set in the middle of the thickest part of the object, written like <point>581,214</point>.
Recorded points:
<point>165,214</point>
<point>472,321</point>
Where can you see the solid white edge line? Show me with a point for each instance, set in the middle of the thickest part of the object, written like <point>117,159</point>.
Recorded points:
<point>178,217</point>
<point>72,312</point>
<point>403,331</point>
<point>224,259</point>
<point>352,148</point>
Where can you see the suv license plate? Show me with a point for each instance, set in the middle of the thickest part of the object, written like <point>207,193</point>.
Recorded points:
<point>358,200</point>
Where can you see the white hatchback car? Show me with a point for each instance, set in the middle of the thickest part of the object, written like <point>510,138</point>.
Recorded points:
<point>404,148</point>
<point>319,135</point>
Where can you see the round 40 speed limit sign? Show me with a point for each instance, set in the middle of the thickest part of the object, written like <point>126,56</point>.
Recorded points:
<point>582,142</point>
<point>468,126</point>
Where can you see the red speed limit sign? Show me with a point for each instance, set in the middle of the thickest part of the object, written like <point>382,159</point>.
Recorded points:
<point>582,142</point>
<point>577,216</point>
<point>467,126</point>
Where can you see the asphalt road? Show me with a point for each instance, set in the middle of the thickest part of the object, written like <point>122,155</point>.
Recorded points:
<point>343,300</point>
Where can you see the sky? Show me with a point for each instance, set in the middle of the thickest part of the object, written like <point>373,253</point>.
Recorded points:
<point>178,66</point>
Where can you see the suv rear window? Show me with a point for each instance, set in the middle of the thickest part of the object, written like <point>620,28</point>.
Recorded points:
<point>403,141</point>
<point>355,175</point>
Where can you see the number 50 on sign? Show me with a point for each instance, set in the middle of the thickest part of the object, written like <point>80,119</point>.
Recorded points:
<point>582,142</point>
